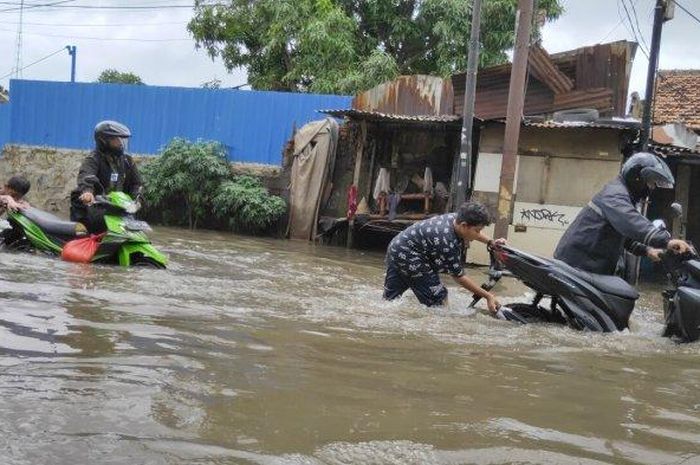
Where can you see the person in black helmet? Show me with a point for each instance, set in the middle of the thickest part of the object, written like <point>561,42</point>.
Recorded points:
<point>114,169</point>
<point>611,222</point>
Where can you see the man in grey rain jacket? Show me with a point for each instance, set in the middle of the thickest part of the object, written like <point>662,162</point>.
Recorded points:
<point>610,222</point>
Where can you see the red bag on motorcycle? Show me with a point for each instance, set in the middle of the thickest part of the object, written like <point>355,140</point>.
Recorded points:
<point>81,250</point>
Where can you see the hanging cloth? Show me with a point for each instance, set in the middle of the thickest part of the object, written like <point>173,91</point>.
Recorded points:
<point>428,181</point>
<point>382,184</point>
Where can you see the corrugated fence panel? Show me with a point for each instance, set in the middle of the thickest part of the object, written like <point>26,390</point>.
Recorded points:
<point>252,125</point>
<point>4,124</point>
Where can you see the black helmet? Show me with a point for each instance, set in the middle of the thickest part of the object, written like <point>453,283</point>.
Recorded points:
<point>644,171</point>
<point>107,129</point>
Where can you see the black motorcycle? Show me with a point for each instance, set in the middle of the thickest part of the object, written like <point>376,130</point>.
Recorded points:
<point>593,302</point>
<point>682,299</point>
<point>577,298</point>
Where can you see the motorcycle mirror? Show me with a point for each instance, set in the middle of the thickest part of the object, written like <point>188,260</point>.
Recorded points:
<point>676,210</point>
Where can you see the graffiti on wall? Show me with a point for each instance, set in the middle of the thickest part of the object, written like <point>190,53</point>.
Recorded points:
<point>544,216</point>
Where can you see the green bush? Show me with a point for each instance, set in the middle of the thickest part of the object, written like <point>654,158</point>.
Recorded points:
<point>189,174</point>
<point>191,183</point>
<point>247,204</point>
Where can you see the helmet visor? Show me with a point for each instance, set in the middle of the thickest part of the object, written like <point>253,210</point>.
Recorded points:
<point>663,184</point>
<point>125,144</point>
<point>658,177</point>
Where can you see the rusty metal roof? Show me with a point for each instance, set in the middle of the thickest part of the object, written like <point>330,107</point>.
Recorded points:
<point>670,150</point>
<point>375,116</point>
<point>622,125</point>
<point>599,74</point>
<point>576,125</point>
<point>408,95</point>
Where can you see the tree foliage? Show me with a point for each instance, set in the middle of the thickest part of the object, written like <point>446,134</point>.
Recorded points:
<point>247,204</point>
<point>189,174</point>
<point>112,76</point>
<point>196,178</point>
<point>350,45</point>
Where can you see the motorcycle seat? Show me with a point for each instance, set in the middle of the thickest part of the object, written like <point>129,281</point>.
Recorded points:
<point>613,285</point>
<point>52,224</point>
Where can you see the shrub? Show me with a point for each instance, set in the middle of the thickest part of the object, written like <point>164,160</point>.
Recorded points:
<point>247,205</point>
<point>187,174</point>
<point>191,183</point>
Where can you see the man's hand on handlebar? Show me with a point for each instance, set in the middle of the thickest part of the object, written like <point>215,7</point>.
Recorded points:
<point>654,254</point>
<point>678,246</point>
<point>492,303</point>
<point>496,243</point>
<point>87,197</point>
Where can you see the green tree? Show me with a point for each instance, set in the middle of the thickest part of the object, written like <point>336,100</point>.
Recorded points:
<point>350,45</point>
<point>187,174</point>
<point>212,84</point>
<point>112,76</point>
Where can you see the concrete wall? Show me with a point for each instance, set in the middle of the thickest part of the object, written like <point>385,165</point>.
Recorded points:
<point>558,172</point>
<point>53,174</point>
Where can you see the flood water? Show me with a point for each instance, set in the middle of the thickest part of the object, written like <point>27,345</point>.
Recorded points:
<point>256,351</point>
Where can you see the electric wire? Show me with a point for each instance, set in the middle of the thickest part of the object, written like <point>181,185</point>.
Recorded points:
<point>34,63</point>
<point>686,11</point>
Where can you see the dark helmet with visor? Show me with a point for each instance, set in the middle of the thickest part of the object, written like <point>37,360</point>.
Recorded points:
<point>645,171</point>
<point>105,130</point>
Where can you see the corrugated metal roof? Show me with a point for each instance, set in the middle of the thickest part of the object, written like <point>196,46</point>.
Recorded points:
<point>408,95</point>
<point>574,124</point>
<point>386,117</point>
<point>673,150</point>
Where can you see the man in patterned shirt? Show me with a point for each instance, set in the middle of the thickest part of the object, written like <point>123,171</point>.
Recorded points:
<point>436,245</point>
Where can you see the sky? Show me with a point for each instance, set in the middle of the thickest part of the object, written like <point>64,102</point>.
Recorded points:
<point>154,43</point>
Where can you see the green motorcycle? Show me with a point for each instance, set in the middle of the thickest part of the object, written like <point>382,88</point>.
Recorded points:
<point>124,242</point>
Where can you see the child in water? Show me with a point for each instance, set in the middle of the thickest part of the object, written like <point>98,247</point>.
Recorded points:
<point>12,194</point>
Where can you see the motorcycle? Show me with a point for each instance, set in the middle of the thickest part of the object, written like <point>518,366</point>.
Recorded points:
<point>593,302</point>
<point>124,242</point>
<point>682,299</point>
<point>579,299</point>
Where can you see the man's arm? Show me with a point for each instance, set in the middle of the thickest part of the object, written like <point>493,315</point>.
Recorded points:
<point>8,203</point>
<point>625,218</point>
<point>636,248</point>
<point>132,174</point>
<point>469,284</point>
<point>641,250</point>
<point>88,167</point>
<point>488,241</point>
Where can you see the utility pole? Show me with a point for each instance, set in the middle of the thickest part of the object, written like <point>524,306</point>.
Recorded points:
<point>516,101</point>
<point>663,11</point>
<point>18,56</point>
<point>72,51</point>
<point>660,15</point>
<point>464,177</point>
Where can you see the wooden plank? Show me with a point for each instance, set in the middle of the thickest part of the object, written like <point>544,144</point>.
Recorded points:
<point>359,153</point>
<point>542,68</point>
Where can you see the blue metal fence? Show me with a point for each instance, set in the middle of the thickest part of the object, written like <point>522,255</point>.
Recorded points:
<point>252,125</point>
<point>4,124</point>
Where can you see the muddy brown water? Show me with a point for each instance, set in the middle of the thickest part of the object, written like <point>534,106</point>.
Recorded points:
<point>256,351</point>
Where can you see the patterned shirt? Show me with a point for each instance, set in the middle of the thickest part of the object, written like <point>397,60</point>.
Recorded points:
<point>429,246</point>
